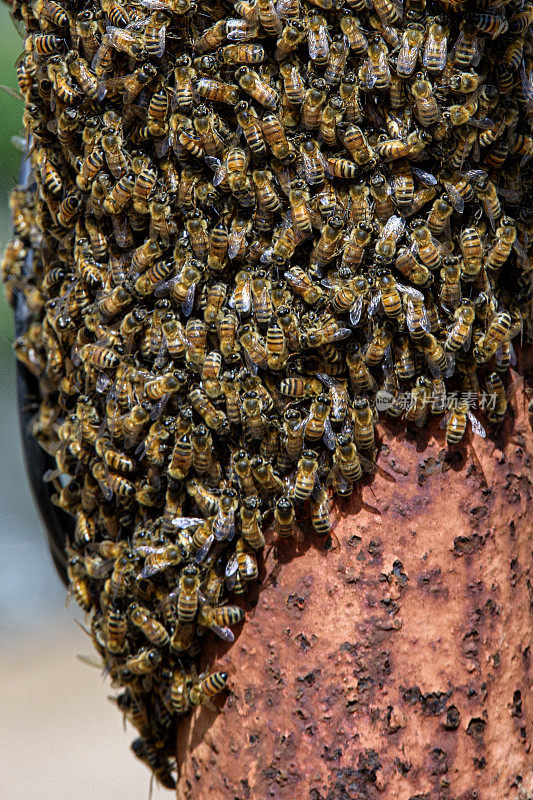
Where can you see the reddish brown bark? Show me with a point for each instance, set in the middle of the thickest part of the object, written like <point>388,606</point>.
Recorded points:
<point>396,664</point>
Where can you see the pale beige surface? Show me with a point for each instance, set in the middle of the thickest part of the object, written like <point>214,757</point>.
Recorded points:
<point>60,738</point>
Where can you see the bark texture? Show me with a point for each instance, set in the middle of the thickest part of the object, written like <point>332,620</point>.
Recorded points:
<point>396,663</point>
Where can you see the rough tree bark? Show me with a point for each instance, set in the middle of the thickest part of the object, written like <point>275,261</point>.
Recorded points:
<point>396,664</point>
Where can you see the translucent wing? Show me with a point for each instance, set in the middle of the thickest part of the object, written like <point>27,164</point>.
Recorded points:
<point>204,550</point>
<point>186,522</point>
<point>328,437</point>
<point>355,311</point>
<point>424,177</point>
<point>477,427</point>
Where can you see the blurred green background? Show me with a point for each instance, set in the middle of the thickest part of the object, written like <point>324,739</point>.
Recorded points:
<point>59,735</point>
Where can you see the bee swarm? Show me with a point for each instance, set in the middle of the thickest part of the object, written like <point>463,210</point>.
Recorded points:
<point>246,223</point>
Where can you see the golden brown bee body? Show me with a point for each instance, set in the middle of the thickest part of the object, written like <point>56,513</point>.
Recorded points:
<point>207,687</point>
<point>305,476</point>
<point>154,631</point>
<point>181,685</point>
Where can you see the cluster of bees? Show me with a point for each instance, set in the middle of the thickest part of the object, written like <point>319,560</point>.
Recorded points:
<point>245,220</point>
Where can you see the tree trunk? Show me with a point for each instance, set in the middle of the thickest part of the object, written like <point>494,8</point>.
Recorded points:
<point>397,663</point>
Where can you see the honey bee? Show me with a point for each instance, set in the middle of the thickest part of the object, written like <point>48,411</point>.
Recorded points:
<point>265,191</point>
<point>218,619</point>
<point>460,333</point>
<point>317,40</point>
<point>435,48</point>
<point>251,127</point>
<point>389,237</point>
<point>284,514</point>
<point>250,518</point>
<point>181,685</point>
<point>361,380</point>
<point>207,687</point>
<point>498,332</point>
<point>154,631</point>
<point>293,433</point>
<point>314,163</point>
<point>378,74</point>
<point>426,108</point>
<point>216,91</point>
<point>293,83</point>
<point>381,193</point>
<point>355,142</point>
<point>356,38</point>
<point>495,411</point>
<point>419,402</point>
<point>159,559</point>
<point>472,250</point>
<point>412,40</point>
<point>306,477</point>
<point>211,38</point>
<point>327,246</point>
<point>250,82</point>
<point>486,192</point>
<point>428,249</point>
<point>347,458</point>
<point>237,240</point>
<point>318,425</point>
<point>435,355</point>
<point>291,36</point>
<point>86,79</point>
<point>354,250</point>
<point>359,204</point>
<point>377,347</point>
<point>456,421</point>
<point>320,512</point>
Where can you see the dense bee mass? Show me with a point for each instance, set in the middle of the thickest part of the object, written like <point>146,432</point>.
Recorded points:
<point>252,228</point>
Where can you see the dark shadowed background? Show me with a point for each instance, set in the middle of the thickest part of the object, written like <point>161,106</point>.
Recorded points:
<point>59,735</point>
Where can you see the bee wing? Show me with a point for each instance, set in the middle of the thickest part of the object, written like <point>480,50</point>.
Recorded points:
<point>467,341</point>
<point>355,311</point>
<point>488,211</point>
<point>188,303</point>
<point>450,369</point>
<point>218,167</point>
<point>338,336</point>
<point>484,124</point>
<point>477,427</point>
<point>235,240</point>
<point>456,200</point>
<point>434,369</point>
<point>394,227</point>
<point>328,437</point>
<point>410,291</point>
<point>368,76</point>
<point>232,568</point>
<point>223,633</point>
<point>186,522</point>
<point>152,569</point>
<point>522,255</point>
<point>246,296</point>
<point>162,146</point>
<point>252,366</point>
<point>204,549</point>
<point>159,407</point>
<point>317,42</point>
<point>161,35</point>
<point>424,177</point>
<point>374,304</point>
<point>283,8</point>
